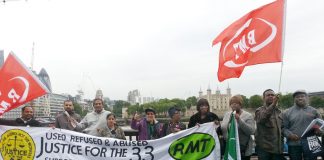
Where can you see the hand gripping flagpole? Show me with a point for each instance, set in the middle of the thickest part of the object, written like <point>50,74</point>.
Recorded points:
<point>283,41</point>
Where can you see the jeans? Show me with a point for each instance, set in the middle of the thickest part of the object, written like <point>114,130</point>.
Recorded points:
<point>264,155</point>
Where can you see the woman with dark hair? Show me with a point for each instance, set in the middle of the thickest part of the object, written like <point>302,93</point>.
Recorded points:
<point>203,115</point>
<point>112,130</point>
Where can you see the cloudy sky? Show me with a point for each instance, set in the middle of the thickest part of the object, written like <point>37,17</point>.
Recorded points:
<point>161,47</point>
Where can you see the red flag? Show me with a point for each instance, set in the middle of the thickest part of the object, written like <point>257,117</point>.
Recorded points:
<point>253,39</point>
<point>18,85</point>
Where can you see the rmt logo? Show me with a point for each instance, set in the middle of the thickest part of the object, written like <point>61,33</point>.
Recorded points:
<point>248,40</point>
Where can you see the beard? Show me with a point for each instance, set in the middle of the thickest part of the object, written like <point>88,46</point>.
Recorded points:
<point>301,103</point>
<point>70,111</point>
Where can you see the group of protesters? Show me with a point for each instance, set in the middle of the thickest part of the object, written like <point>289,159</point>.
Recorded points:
<point>270,126</point>
<point>265,131</point>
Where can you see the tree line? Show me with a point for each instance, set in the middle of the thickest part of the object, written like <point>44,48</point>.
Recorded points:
<point>285,101</point>
<point>161,107</point>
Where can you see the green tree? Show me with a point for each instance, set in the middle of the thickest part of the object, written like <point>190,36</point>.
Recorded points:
<point>162,106</point>
<point>255,101</point>
<point>245,101</point>
<point>165,100</point>
<point>149,105</point>
<point>316,102</point>
<point>286,101</point>
<point>178,102</point>
<point>78,109</point>
<point>117,108</point>
<point>191,101</point>
<point>134,108</point>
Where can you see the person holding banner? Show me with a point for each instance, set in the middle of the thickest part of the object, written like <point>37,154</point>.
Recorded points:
<point>148,128</point>
<point>174,125</point>
<point>68,119</point>
<point>112,130</point>
<point>268,136</point>
<point>27,118</point>
<point>296,119</point>
<point>204,115</point>
<point>245,124</point>
<point>94,120</point>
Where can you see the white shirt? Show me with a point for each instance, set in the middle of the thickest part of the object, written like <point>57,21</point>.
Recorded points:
<point>92,121</point>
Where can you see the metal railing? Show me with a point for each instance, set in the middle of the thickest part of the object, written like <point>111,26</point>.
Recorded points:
<point>130,134</point>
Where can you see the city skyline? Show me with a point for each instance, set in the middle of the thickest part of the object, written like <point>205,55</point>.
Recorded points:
<point>162,48</point>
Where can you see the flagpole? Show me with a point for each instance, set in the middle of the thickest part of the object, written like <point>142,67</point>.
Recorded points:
<point>283,41</point>
<point>280,77</point>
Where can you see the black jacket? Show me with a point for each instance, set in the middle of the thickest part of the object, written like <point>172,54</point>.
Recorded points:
<point>210,117</point>
<point>31,123</point>
<point>8,122</point>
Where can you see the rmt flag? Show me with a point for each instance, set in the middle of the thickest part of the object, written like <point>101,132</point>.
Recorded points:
<point>18,85</point>
<point>253,39</point>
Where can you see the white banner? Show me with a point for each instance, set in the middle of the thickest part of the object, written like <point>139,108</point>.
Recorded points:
<point>58,144</point>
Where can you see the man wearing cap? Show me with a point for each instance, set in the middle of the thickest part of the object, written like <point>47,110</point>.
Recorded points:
<point>268,135</point>
<point>296,119</point>
<point>148,127</point>
<point>174,125</point>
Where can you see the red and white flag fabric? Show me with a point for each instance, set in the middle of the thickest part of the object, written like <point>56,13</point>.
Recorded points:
<point>18,85</point>
<point>253,39</point>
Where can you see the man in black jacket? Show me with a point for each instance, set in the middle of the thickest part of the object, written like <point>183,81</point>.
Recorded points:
<point>27,118</point>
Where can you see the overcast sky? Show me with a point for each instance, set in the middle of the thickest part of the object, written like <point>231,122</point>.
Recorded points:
<point>161,47</point>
